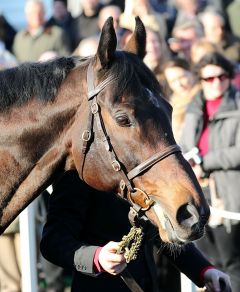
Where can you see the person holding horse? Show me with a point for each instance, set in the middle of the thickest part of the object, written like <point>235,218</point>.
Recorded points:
<point>83,231</point>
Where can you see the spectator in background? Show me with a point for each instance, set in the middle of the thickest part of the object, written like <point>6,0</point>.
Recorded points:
<point>7,33</point>
<point>7,60</point>
<point>37,38</point>
<point>184,36</point>
<point>187,11</point>
<point>168,11</point>
<point>214,30</point>
<point>86,24</point>
<point>87,47</point>
<point>220,6</point>
<point>75,7</point>
<point>149,17</point>
<point>156,53</point>
<point>62,18</point>
<point>233,12</point>
<point>107,11</point>
<point>212,124</point>
<point>10,266</point>
<point>119,3</point>
<point>200,48</point>
<point>114,11</point>
<point>183,85</point>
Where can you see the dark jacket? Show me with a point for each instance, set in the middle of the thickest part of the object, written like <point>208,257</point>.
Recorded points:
<point>85,26</point>
<point>223,157</point>
<point>81,218</point>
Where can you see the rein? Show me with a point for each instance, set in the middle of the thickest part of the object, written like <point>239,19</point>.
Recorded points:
<point>140,200</point>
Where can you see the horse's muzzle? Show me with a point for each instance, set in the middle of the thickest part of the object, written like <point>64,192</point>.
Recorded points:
<point>189,226</point>
<point>191,221</point>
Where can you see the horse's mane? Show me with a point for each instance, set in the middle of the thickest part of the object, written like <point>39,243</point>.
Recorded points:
<point>28,80</point>
<point>42,80</point>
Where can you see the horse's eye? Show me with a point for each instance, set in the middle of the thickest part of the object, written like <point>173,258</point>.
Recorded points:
<point>123,120</point>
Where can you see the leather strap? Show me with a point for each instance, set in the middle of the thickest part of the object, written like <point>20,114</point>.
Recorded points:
<point>130,281</point>
<point>93,91</point>
<point>86,137</point>
<point>153,160</point>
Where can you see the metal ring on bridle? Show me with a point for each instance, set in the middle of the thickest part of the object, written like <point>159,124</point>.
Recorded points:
<point>94,108</point>
<point>116,165</point>
<point>148,201</point>
<point>86,135</point>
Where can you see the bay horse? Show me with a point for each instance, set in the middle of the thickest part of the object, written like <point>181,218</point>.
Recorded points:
<point>105,117</point>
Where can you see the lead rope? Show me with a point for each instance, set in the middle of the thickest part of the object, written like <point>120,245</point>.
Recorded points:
<point>130,246</point>
<point>130,243</point>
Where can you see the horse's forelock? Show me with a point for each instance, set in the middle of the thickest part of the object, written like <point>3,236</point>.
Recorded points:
<point>131,76</point>
<point>138,84</point>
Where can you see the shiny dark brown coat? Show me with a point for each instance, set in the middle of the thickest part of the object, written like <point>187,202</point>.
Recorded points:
<point>44,110</point>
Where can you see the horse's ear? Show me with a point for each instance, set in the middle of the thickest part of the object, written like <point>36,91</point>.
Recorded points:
<point>137,42</point>
<point>107,44</point>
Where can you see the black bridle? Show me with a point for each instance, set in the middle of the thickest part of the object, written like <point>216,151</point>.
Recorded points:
<point>127,189</point>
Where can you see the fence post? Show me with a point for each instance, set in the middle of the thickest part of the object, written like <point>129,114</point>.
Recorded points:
<point>28,249</point>
<point>187,285</point>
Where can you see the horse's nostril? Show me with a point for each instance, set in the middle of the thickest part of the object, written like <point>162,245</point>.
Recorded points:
<point>187,215</point>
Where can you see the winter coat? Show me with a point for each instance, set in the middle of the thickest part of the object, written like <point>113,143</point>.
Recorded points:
<point>29,48</point>
<point>223,157</point>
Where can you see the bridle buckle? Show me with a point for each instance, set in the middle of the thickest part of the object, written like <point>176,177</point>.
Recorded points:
<point>147,200</point>
<point>94,108</point>
<point>86,135</point>
<point>116,165</point>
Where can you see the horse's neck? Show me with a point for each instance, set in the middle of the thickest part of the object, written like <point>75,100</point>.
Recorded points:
<point>30,152</point>
<point>35,123</point>
<point>30,149</point>
<point>34,126</point>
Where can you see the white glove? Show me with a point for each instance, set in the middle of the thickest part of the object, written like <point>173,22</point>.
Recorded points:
<point>216,281</point>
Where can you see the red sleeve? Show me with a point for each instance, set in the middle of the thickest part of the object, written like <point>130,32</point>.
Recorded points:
<point>96,265</point>
<point>201,276</point>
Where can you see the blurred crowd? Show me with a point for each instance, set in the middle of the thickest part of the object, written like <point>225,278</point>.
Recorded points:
<point>193,48</point>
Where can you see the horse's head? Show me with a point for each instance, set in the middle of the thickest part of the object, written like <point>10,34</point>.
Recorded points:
<point>129,142</point>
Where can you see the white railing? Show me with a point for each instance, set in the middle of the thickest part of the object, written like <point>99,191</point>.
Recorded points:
<point>28,249</point>
<point>225,214</point>
<point>187,285</point>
